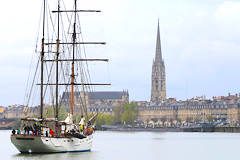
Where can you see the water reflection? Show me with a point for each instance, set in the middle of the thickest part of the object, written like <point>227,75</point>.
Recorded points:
<point>52,156</point>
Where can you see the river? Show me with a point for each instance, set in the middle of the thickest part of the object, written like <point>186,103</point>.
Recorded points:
<point>142,146</point>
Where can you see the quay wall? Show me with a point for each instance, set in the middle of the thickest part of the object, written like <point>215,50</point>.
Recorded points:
<point>172,129</point>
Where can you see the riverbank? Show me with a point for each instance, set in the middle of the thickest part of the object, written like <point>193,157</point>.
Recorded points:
<point>171,129</point>
<point>9,123</point>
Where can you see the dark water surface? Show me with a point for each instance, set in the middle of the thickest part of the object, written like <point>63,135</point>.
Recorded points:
<point>142,146</point>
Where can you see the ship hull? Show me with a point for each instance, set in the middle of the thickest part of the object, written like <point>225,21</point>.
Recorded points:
<point>37,144</point>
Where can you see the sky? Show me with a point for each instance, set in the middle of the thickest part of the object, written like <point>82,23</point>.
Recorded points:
<point>200,45</point>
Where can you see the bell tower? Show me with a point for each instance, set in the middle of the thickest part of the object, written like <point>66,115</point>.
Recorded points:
<point>158,91</point>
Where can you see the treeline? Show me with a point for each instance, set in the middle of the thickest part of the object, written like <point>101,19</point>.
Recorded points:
<point>121,115</point>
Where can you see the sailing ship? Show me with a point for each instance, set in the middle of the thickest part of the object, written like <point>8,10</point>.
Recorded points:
<point>61,53</point>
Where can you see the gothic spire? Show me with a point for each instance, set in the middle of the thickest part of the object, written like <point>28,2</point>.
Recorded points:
<point>158,92</point>
<point>158,54</point>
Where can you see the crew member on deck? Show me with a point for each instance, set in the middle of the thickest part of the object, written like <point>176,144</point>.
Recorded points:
<point>13,131</point>
<point>51,132</point>
<point>46,133</point>
<point>82,123</point>
<point>18,131</point>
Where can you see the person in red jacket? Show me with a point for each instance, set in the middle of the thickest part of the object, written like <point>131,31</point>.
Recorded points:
<point>51,132</point>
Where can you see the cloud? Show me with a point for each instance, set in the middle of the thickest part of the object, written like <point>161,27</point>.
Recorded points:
<point>228,11</point>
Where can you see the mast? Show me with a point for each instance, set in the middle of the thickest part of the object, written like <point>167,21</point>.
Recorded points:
<point>57,55</point>
<point>42,61</point>
<point>73,57</point>
<point>74,44</point>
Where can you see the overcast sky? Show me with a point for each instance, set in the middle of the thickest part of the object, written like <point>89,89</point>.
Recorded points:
<point>200,45</point>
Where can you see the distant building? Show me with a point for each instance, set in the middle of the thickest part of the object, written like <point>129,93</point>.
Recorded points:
<point>2,112</point>
<point>18,111</point>
<point>195,109</point>
<point>97,99</point>
<point>158,91</point>
<point>141,103</point>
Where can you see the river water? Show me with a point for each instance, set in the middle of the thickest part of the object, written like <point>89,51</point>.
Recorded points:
<point>142,146</point>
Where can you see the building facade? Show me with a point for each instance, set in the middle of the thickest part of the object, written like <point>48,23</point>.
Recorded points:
<point>18,111</point>
<point>192,113</point>
<point>97,99</point>
<point>195,110</point>
<point>158,90</point>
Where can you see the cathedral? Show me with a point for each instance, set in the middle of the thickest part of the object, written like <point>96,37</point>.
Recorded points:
<point>158,91</point>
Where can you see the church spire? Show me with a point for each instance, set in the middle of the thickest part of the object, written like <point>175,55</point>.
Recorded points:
<point>158,54</point>
<point>158,91</point>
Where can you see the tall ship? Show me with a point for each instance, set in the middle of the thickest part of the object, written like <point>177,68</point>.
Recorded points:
<point>61,66</point>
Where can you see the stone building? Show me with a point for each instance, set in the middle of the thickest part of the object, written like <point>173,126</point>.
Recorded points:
<point>157,112</point>
<point>98,99</point>
<point>106,110</point>
<point>193,113</point>
<point>101,101</point>
<point>13,111</point>
<point>19,111</point>
<point>158,91</point>
<point>2,112</point>
<point>219,108</point>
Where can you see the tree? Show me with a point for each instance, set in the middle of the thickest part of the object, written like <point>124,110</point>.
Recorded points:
<point>50,112</point>
<point>62,114</point>
<point>209,118</point>
<point>118,112</point>
<point>16,124</point>
<point>103,120</point>
<point>130,113</point>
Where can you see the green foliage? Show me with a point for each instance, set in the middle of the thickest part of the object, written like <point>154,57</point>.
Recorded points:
<point>126,114</point>
<point>16,124</point>
<point>77,118</point>
<point>50,112</point>
<point>103,120</point>
<point>130,113</point>
<point>209,118</point>
<point>118,112</point>
<point>62,114</point>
